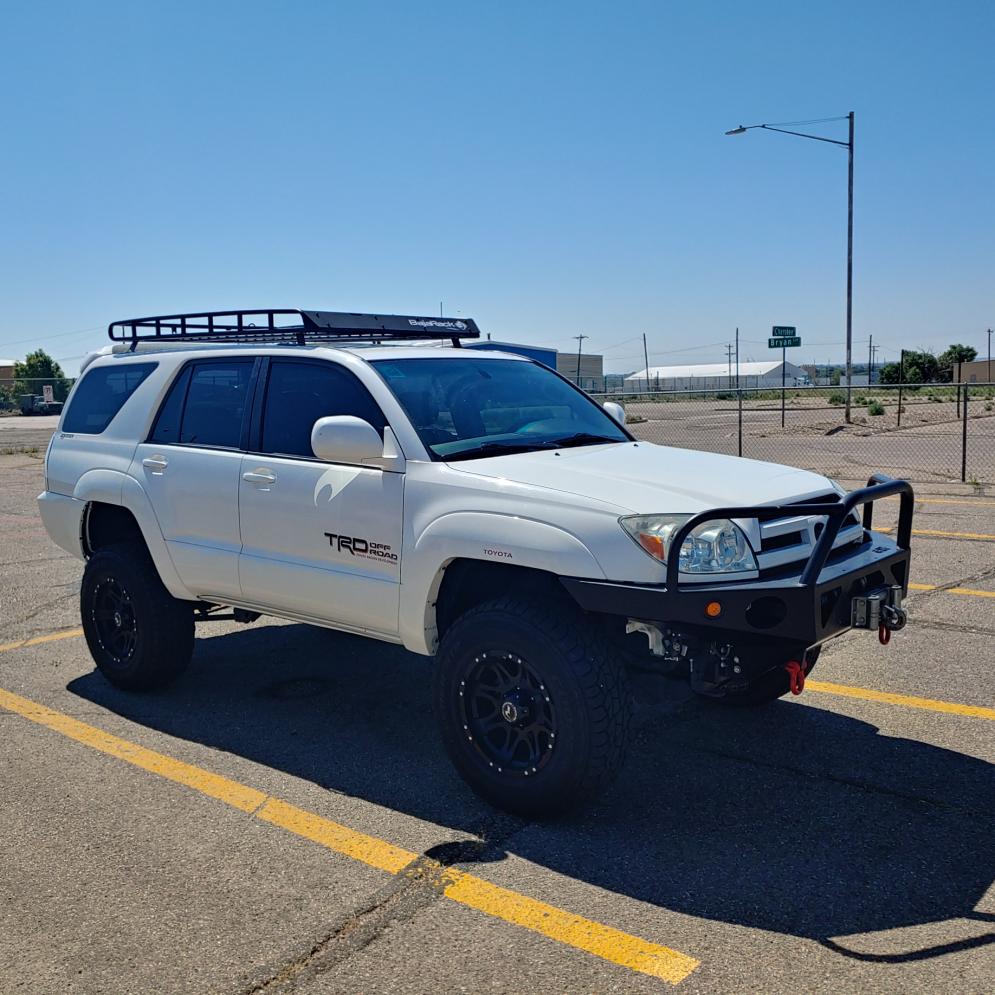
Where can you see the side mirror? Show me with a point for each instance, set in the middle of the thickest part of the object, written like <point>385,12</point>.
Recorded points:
<point>347,439</point>
<point>615,410</point>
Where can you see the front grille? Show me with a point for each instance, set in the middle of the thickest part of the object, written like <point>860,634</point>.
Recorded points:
<point>790,540</point>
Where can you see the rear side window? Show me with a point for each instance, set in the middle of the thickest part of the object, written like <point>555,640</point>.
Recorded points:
<point>298,394</point>
<point>205,405</point>
<point>101,395</point>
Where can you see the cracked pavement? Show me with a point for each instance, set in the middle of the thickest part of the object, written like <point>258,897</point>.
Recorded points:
<point>821,844</point>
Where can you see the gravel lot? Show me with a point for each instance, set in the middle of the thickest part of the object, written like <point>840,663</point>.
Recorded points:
<point>825,843</point>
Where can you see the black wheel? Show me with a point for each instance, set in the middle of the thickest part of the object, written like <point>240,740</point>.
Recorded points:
<point>767,687</point>
<point>139,636</point>
<point>532,706</point>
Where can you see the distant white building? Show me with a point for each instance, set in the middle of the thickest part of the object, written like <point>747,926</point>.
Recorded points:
<point>716,376</point>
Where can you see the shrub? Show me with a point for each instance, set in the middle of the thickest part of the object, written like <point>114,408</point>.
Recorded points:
<point>875,408</point>
<point>837,398</point>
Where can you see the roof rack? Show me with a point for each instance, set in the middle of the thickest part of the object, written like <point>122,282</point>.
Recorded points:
<point>288,324</point>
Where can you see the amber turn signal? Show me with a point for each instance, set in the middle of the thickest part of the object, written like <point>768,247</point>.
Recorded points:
<point>713,609</point>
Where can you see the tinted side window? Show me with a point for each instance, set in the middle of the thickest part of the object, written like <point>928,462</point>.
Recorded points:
<point>167,423</point>
<point>101,395</point>
<point>298,394</point>
<point>215,400</point>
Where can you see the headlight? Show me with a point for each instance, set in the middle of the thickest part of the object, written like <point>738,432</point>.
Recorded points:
<point>712,547</point>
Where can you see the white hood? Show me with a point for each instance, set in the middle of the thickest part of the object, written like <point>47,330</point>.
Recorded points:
<point>643,478</point>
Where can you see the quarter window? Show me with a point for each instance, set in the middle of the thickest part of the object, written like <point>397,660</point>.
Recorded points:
<point>298,394</point>
<point>101,395</point>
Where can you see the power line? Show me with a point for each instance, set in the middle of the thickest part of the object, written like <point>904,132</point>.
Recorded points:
<point>56,335</point>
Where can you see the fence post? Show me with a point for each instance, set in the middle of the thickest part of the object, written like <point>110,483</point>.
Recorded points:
<point>958,390</point>
<point>739,395</point>
<point>963,442</point>
<point>901,377</point>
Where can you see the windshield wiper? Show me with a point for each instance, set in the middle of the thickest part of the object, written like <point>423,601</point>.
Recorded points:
<point>582,439</point>
<point>500,449</point>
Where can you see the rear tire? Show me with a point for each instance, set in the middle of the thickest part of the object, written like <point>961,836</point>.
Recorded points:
<point>532,706</point>
<point>140,637</point>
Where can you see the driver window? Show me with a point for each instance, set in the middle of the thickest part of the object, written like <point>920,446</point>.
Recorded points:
<point>298,393</point>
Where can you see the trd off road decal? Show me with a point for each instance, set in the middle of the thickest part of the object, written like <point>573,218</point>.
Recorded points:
<point>381,552</point>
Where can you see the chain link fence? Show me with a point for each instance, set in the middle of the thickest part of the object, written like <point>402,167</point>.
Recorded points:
<point>923,432</point>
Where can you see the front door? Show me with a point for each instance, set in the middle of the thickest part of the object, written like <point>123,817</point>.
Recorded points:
<point>318,539</point>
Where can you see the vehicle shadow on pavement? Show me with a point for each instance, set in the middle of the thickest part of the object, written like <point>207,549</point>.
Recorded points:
<point>790,818</point>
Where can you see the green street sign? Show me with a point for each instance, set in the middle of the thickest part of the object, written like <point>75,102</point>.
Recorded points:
<point>784,343</point>
<point>784,331</point>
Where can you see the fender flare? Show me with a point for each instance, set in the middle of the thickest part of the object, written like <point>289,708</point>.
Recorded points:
<point>521,542</point>
<point>116,488</point>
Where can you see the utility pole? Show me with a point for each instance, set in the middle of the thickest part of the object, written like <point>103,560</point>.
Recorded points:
<point>580,342</point>
<point>989,356</point>
<point>871,352</point>
<point>729,363</point>
<point>646,360</point>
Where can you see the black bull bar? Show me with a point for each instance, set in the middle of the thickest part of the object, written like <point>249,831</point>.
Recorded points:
<point>805,606</point>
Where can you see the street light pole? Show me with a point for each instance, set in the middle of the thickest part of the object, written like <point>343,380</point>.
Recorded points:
<point>848,145</point>
<point>849,271</point>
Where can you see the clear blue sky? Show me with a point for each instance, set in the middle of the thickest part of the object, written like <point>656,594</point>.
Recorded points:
<point>547,168</point>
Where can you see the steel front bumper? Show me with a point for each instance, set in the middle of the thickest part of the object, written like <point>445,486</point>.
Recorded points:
<point>805,607</point>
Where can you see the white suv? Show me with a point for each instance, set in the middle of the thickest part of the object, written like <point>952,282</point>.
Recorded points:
<point>471,505</point>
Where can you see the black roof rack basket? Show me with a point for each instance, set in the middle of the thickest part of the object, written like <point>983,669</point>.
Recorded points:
<point>288,325</point>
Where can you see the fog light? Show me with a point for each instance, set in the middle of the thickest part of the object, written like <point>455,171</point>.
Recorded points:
<point>713,609</point>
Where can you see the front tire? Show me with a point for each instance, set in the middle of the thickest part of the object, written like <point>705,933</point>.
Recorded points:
<point>532,706</point>
<point>140,637</point>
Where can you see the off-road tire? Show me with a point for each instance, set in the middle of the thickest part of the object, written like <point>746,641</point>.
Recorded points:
<point>767,688</point>
<point>155,629</point>
<point>589,704</point>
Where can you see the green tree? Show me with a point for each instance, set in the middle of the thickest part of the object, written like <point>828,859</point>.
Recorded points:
<point>921,366</point>
<point>37,370</point>
<point>949,359</point>
<point>888,373</point>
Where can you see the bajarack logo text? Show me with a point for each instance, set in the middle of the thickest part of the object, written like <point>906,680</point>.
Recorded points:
<point>449,326</point>
<point>354,546</point>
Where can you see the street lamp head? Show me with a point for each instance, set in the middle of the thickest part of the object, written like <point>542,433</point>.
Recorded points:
<point>737,131</point>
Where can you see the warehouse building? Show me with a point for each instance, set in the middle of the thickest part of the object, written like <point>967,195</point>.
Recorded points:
<point>977,371</point>
<point>716,376</point>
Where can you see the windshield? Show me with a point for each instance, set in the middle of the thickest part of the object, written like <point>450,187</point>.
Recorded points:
<point>469,408</point>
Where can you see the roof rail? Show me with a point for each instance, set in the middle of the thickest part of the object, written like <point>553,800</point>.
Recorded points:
<point>288,324</point>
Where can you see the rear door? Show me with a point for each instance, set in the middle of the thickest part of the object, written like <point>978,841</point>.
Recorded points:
<point>190,468</point>
<point>318,539</point>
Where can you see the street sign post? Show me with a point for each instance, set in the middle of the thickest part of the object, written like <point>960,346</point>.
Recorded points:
<point>783,337</point>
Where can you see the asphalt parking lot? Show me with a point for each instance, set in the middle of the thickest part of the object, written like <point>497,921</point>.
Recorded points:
<point>284,819</point>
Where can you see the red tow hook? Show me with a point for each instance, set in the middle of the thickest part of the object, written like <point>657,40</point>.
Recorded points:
<point>796,676</point>
<point>884,634</point>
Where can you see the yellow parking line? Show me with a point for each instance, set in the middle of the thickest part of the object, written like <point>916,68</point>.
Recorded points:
<point>572,930</point>
<point>969,591</point>
<point>907,700</point>
<point>966,502</point>
<point>35,640</point>
<point>943,535</point>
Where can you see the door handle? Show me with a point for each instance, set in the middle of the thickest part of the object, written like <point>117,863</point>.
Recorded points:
<point>260,476</point>
<point>155,463</point>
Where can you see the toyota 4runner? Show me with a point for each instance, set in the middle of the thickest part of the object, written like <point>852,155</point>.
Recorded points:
<point>471,505</point>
